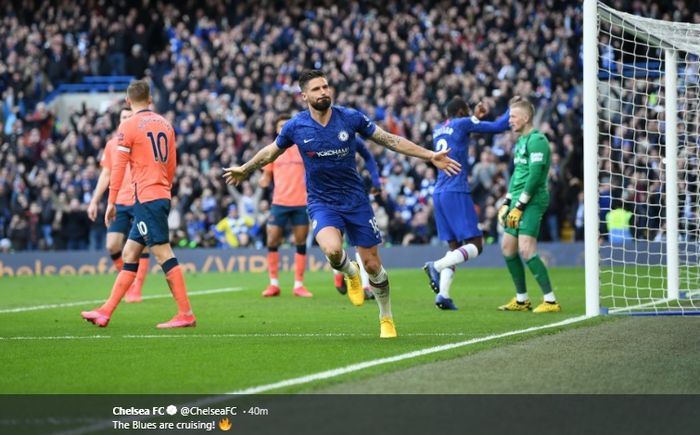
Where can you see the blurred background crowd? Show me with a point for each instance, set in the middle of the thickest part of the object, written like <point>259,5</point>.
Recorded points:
<point>221,74</point>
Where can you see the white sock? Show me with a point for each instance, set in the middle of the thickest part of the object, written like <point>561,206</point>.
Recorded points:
<point>446,282</point>
<point>379,284</point>
<point>298,284</point>
<point>459,255</point>
<point>346,266</point>
<point>549,297</point>
<point>363,273</point>
<point>275,282</point>
<point>521,297</point>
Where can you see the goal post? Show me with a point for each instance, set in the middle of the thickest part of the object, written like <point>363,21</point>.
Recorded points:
<point>641,163</point>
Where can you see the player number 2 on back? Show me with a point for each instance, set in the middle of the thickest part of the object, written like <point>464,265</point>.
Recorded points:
<point>441,145</point>
<point>160,146</point>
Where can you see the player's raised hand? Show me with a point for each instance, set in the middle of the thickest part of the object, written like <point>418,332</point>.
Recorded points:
<point>442,161</point>
<point>234,175</point>
<point>110,213</point>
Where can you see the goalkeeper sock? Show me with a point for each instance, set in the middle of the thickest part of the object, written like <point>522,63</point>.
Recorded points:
<point>539,270</point>
<point>273,259</point>
<point>176,282</point>
<point>517,273</point>
<point>344,266</point>
<point>379,283</point>
<point>124,280</point>
<point>117,261</point>
<point>446,277</point>
<point>459,255</point>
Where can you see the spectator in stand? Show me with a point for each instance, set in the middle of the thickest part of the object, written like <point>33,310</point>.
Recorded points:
<point>396,61</point>
<point>75,225</point>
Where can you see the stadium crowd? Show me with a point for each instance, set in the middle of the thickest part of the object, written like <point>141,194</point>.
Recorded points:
<point>221,74</point>
<point>632,137</point>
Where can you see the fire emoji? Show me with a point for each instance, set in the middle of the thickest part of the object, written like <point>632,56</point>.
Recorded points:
<point>225,424</point>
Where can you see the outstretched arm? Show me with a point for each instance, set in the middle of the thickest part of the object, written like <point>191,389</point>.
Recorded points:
<point>400,144</point>
<point>236,174</point>
<point>404,146</point>
<point>498,126</point>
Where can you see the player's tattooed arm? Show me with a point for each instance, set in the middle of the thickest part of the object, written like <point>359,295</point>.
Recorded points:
<point>404,146</point>
<point>400,145</point>
<point>263,157</point>
<point>236,174</point>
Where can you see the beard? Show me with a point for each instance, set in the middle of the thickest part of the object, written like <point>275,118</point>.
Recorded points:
<point>321,104</point>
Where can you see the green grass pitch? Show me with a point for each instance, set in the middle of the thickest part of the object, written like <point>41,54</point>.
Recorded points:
<point>243,340</point>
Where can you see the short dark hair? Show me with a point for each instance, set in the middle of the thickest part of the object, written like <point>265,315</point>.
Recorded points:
<point>138,91</point>
<point>455,106</point>
<point>308,75</point>
<point>284,116</point>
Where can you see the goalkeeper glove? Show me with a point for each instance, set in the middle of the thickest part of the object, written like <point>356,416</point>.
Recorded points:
<point>503,211</point>
<point>514,216</point>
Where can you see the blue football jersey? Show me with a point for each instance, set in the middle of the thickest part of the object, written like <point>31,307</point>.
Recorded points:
<point>454,134</point>
<point>329,155</point>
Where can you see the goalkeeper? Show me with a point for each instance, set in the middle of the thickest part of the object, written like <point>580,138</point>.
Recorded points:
<point>525,203</point>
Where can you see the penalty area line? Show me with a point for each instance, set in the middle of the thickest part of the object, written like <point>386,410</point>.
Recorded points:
<point>100,301</point>
<point>404,356</point>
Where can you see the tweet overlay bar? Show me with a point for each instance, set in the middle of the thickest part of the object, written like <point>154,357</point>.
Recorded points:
<point>348,414</point>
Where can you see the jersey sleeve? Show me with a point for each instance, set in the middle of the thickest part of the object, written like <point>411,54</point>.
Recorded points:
<point>121,158</point>
<point>284,139</point>
<point>538,150</point>
<point>538,163</point>
<point>172,161</point>
<point>362,124</point>
<point>475,125</point>
<point>106,161</point>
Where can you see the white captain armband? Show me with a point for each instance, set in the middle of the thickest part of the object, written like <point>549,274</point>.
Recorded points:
<point>124,149</point>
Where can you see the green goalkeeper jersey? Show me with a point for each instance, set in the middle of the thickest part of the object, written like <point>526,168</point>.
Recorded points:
<point>531,158</point>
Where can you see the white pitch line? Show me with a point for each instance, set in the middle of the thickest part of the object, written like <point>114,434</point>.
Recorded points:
<point>335,372</point>
<point>61,337</point>
<point>100,301</point>
<point>260,335</point>
<point>404,356</point>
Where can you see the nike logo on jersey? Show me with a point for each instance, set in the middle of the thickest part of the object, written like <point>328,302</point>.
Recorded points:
<point>307,140</point>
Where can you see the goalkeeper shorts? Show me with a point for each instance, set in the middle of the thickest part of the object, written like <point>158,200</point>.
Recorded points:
<point>532,218</point>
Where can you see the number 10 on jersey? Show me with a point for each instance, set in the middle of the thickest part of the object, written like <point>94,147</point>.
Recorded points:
<point>160,146</point>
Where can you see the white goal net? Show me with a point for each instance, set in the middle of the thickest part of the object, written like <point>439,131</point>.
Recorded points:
<point>647,174</point>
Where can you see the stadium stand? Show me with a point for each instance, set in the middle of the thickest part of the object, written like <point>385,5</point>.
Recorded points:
<point>221,74</point>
